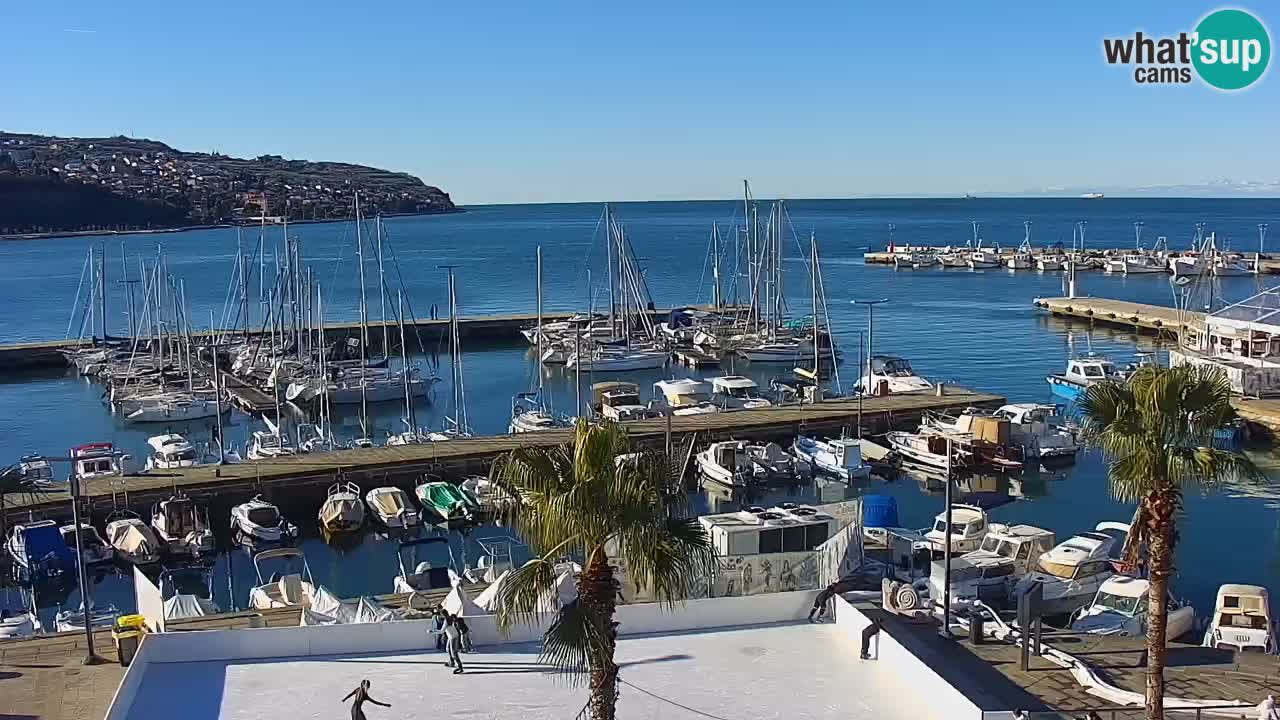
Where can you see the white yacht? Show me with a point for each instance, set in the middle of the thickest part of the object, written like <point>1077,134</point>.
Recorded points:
<point>170,451</point>
<point>393,507</point>
<point>182,526</point>
<point>968,528</point>
<point>1120,608</point>
<point>737,392</point>
<point>989,573</point>
<point>35,472</point>
<point>342,510</point>
<point>1072,572</point>
<point>1242,621</point>
<point>94,550</point>
<point>1140,263</point>
<point>132,539</point>
<point>840,457</point>
<point>282,590</point>
<point>98,460</point>
<point>1038,430</point>
<point>610,359</point>
<point>260,520</point>
<point>892,375</point>
<point>619,401</point>
<point>187,593</point>
<point>1022,258</point>
<point>529,414</point>
<point>683,397</point>
<point>268,445</point>
<point>738,464</point>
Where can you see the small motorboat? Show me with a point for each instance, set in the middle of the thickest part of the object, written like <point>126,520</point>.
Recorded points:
<point>486,493</point>
<point>99,618</point>
<point>1072,572</point>
<point>968,528</point>
<point>983,258</point>
<point>182,526</point>
<point>1241,620</point>
<point>989,573</point>
<point>39,553</point>
<point>132,539</point>
<point>1120,608</point>
<point>1039,431</point>
<point>99,460</point>
<point>529,414</point>
<point>262,521</point>
<point>929,450</point>
<point>840,457</point>
<point>35,473</point>
<point>282,590</point>
<point>737,464</point>
<point>737,392</point>
<point>170,451</point>
<point>393,507</point>
<point>1080,374</point>
<point>683,396</point>
<point>1051,263</point>
<point>342,510</point>
<point>94,550</point>
<point>444,502</point>
<point>267,445</point>
<point>427,574</point>
<point>187,593</point>
<point>18,620</point>
<point>891,375</point>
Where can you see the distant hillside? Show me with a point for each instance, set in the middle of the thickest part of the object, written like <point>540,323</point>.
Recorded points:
<point>54,184</point>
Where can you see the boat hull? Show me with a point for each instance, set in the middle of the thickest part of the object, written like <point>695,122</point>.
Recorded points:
<point>1064,388</point>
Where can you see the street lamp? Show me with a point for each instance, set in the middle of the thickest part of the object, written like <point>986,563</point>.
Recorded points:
<point>86,604</point>
<point>871,323</point>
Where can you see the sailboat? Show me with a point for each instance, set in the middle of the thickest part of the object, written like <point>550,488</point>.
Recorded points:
<point>457,425</point>
<point>528,412</point>
<point>412,435</point>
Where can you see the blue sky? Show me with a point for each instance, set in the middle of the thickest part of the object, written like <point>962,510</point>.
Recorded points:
<point>568,101</point>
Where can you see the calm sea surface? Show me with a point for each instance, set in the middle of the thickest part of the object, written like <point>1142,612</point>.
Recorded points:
<point>976,329</point>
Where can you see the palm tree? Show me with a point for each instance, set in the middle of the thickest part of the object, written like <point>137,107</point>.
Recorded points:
<point>601,503</point>
<point>1156,430</point>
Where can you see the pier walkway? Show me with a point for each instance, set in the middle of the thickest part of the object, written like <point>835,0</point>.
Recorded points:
<point>455,458</point>
<point>1152,319</point>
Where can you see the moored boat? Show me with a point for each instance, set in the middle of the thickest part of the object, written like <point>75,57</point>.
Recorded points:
<point>342,510</point>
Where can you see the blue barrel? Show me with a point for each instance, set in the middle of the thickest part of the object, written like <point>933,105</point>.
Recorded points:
<point>879,511</point>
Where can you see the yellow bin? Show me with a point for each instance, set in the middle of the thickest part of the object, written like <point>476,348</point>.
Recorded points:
<point>127,635</point>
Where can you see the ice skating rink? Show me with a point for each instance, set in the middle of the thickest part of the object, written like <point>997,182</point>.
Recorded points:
<point>788,671</point>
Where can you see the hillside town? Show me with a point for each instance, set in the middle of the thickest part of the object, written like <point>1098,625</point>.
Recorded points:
<point>67,184</point>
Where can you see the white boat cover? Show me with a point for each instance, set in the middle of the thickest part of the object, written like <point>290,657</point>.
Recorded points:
<point>311,617</point>
<point>134,539</point>
<point>328,609</point>
<point>389,504</point>
<point>488,600</point>
<point>183,606</point>
<point>458,603</point>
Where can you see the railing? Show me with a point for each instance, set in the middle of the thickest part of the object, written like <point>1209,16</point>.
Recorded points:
<point>1129,712</point>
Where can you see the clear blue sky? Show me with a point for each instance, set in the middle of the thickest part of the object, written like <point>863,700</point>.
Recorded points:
<point>565,101</point>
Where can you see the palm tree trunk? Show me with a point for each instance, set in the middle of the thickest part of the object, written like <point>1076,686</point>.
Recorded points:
<point>1161,512</point>
<point>598,592</point>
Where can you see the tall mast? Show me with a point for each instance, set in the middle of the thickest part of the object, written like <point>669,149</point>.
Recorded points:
<point>813,277</point>
<point>538,365</point>
<point>715,265</point>
<point>608,246</point>
<point>102,294</point>
<point>364,328</point>
<point>382,285</point>
<point>409,416</point>
<point>93,285</point>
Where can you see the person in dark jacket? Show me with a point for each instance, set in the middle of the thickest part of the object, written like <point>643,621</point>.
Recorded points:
<point>361,695</point>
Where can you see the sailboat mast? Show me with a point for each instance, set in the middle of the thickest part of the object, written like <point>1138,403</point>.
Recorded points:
<point>608,246</point>
<point>813,277</point>
<point>404,365</point>
<point>102,294</point>
<point>538,365</point>
<point>715,265</point>
<point>382,285</point>
<point>364,328</point>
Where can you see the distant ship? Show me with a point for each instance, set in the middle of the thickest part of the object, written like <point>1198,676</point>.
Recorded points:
<point>1092,196</point>
<point>968,196</point>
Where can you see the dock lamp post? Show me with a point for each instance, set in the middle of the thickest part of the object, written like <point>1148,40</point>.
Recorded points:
<point>945,630</point>
<point>871,324</point>
<point>91,657</point>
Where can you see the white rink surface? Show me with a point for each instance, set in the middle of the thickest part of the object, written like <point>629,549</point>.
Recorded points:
<point>770,672</point>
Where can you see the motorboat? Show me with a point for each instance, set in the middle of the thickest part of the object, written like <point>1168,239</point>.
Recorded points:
<point>737,392</point>
<point>93,549</point>
<point>99,617</point>
<point>1120,608</point>
<point>528,414</point>
<point>342,510</point>
<point>929,450</point>
<point>170,451</point>
<point>954,259</point>
<point>1228,266</point>
<point>1242,621</point>
<point>393,507</point>
<point>785,350</point>
<point>914,260</point>
<point>444,502</point>
<point>891,375</point>
<point>362,443</point>
<point>132,539</point>
<point>21,620</point>
<point>313,438</point>
<point>98,460</point>
<point>1080,374</point>
<point>428,574</point>
<point>294,587</point>
<point>737,464</point>
<point>260,520</point>
<point>840,457</point>
<point>182,526</point>
<point>982,258</point>
<point>1039,431</point>
<point>1140,263</point>
<point>269,445</point>
<point>39,553</point>
<point>1072,572</point>
<point>1188,265</point>
<point>35,472</point>
<point>187,593</point>
<point>989,573</point>
<point>968,528</point>
<point>1047,262</point>
<point>1022,258</point>
<point>683,397</point>
<point>609,359</point>
<point>487,494</point>
<point>620,401</point>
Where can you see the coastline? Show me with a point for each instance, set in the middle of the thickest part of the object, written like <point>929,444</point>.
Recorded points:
<point>185,228</point>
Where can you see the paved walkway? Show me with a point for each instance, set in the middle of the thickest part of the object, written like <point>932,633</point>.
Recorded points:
<point>44,678</point>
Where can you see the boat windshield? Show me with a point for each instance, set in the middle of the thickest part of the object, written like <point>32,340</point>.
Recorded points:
<point>997,546</point>
<point>739,392</point>
<point>264,516</point>
<point>1121,604</point>
<point>898,368</point>
<point>1243,622</point>
<point>692,398</point>
<point>941,526</point>
<point>1060,570</point>
<point>180,455</point>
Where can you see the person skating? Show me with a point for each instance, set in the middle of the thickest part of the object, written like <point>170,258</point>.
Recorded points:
<point>465,631</point>
<point>820,603</point>
<point>361,695</point>
<point>453,642</point>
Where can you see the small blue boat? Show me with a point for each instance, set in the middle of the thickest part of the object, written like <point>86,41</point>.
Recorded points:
<point>1080,374</point>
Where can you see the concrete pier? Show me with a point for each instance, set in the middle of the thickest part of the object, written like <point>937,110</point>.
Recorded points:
<point>1151,319</point>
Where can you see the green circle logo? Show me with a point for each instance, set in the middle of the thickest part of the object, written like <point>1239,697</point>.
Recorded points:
<point>1232,49</point>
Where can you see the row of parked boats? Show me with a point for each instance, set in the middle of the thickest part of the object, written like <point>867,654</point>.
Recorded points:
<point>1085,584</point>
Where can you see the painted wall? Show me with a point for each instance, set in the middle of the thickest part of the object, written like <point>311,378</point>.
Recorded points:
<point>950,702</point>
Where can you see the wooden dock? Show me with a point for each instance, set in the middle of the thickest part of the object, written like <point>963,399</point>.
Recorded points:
<point>457,458</point>
<point>696,358</point>
<point>1152,319</point>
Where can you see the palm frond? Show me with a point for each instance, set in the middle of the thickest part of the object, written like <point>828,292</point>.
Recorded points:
<point>522,592</point>
<point>577,641</point>
<point>671,557</point>
<point>1206,468</point>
